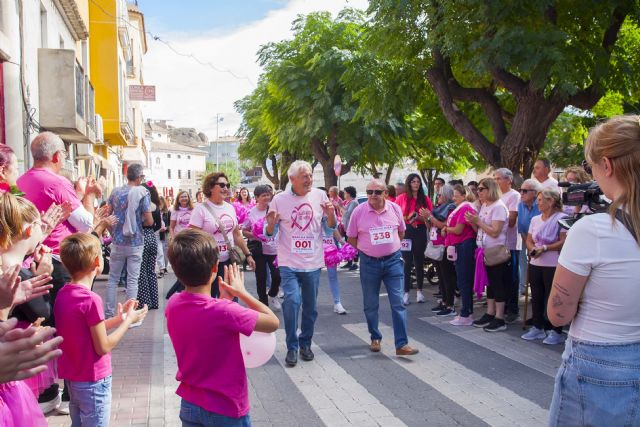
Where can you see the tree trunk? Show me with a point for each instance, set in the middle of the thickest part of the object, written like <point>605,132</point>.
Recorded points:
<point>387,176</point>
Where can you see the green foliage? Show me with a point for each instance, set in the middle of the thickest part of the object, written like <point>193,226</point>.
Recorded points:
<point>229,168</point>
<point>565,141</point>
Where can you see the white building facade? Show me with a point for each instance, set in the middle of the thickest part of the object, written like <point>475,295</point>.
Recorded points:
<point>175,167</point>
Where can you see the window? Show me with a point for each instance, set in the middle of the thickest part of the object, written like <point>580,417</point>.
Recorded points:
<point>188,157</point>
<point>190,192</point>
<point>169,173</point>
<point>189,174</point>
<point>158,160</point>
<point>179,156</point>
<point>179,174</point>
<point>168,156</point>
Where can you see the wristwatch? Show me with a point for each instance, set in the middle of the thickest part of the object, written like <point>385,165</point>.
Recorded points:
<point>545,248</point>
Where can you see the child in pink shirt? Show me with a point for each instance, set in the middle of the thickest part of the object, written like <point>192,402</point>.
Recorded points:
<point>205,333</point>
<point>86,358</point>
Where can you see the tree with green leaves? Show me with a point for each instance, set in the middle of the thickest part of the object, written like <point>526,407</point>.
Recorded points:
<point>229,168</point>
<point>504,72</point>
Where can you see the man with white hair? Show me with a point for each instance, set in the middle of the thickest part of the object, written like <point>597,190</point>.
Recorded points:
<point>297,217</point>
<point>527,209</point>
<point>511,198</point>
<point>376,228</point>
<point>541,171</point>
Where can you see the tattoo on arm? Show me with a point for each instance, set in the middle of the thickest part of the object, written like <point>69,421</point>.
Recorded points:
<point>556,301</point>
<point>561,289</point>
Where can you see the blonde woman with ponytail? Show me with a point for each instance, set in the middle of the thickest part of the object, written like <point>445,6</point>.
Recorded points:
<point>596,288</point>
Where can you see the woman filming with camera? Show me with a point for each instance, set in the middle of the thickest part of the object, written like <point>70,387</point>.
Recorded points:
<point>596,288</point>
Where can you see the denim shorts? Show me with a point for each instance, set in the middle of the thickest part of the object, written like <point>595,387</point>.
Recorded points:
<point>90,403</point>
<point>194,416</point>
<point>597,385</point>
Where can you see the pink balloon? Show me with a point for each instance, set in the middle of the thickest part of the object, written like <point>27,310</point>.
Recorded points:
<point>257,348</point>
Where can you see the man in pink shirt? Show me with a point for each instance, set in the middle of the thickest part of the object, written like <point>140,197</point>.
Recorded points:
<point>297,217</point>
<point>376,228</point>
<point>511,198</point>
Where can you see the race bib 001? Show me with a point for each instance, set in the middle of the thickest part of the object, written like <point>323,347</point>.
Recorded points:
<point>302,245</point>
<point>405,245</point>
<point>381,235</point>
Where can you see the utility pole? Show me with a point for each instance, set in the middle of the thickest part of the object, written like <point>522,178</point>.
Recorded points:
<point>218,120</point>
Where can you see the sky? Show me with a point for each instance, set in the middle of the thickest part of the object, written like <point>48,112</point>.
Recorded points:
<point>224,34</point>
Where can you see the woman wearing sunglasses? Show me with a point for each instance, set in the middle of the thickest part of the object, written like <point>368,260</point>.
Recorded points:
<point>213,212</point>
<point>596,289</point>
<point>415,239</point>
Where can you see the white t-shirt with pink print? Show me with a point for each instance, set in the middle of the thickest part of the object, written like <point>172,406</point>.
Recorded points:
<point>202,218</point>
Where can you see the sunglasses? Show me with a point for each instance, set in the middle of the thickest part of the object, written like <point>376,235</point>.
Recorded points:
<point>222,185</point>
<point>587,167</point>
<point>376,192</point>
<point>481,189</point>
<point>525,190</point>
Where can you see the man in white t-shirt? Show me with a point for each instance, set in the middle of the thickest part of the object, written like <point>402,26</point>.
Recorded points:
<point>541,171</point>
<point>511,198</point>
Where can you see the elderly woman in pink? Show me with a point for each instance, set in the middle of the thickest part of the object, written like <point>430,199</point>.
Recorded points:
<point>544,242</point>
<point>181,214</point>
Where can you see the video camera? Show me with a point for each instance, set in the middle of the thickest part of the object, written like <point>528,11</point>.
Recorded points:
<point>588,194</point>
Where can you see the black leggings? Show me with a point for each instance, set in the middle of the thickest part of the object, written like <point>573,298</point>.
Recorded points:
<point>263,262</point>
<point>499,280</point>
<point>541,279</point>
<point>418,237</point>
<point>449,281</point>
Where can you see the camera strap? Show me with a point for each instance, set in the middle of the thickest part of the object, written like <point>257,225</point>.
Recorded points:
<point>623,217</point>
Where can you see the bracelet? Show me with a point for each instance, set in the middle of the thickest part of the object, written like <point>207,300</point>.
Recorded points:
<point>428,219</point>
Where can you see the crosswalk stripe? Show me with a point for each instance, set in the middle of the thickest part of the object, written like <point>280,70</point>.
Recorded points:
<point>533,355</point>
<point>487,400</point>
<point>334,395</point>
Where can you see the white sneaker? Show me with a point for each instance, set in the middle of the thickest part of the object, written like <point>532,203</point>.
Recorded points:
<point>419,296</point>
<point>63,409</point>
<point>405,299</point>
<point>534,334</point>
<point>135,325</point>
<point>338,308</point>
<point>50,405</point>
<point>553,338</point>
<point>275,304</point>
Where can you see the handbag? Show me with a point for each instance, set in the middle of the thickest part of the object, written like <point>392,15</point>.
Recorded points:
<point>434,252</point>
<point>236,256</point>
<point>496,255</point>
<point>452,255</point>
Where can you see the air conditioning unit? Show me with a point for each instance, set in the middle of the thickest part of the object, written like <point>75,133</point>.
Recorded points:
<point>99,130</point>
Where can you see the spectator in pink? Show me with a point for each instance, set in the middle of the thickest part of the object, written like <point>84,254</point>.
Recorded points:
<point>8,166</point>
<point>43,185</point>
<point>180,219</point>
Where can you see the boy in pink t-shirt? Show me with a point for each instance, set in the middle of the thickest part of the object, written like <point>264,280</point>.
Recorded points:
<point>205,333</point>
<point>86,358</point>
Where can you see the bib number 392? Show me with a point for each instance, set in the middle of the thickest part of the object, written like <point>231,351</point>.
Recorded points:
<point>405,245</point>
<point>302,245</point>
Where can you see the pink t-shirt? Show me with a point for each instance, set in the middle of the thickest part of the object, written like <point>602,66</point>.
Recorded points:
<point>201,218</point>
<point>270,247</point>
<point>182,217</point>
<point>43,188</point>
<point>409,205</point>
<point>300,229</point>
<point>548,258</point>
<point>205,333</point>
<point>511,199</point>
<point>377,232</point>
<point>76,310</point>
<point>497,211</point>
<point>457,217</point>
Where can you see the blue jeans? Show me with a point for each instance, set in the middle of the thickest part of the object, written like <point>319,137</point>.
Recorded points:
<point>465,271</point>
<point>597,385</point>
<point>332,275</point>
<point>300,288</point>
<point>132,256</point>
<point>389,270</point>
<point>194,416</point>
<point>90,404</point>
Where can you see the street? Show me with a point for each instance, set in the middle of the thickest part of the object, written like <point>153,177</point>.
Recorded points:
<point>462,375</point>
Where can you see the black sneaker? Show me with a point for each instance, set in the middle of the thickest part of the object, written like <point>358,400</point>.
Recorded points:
<point>496,325</point>
<point>292,358</point>
<point>510,318</point>
<point>446,312</point>
<point>483,321</point>
<point>306,354</point>
<point>438,307</point>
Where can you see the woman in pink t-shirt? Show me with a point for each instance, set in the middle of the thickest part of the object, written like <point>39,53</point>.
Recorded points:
<point>415,238</point>
<point>461,235</point>
<point>181,214</point>
<point>492,232</point>
<point>544,241</point>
